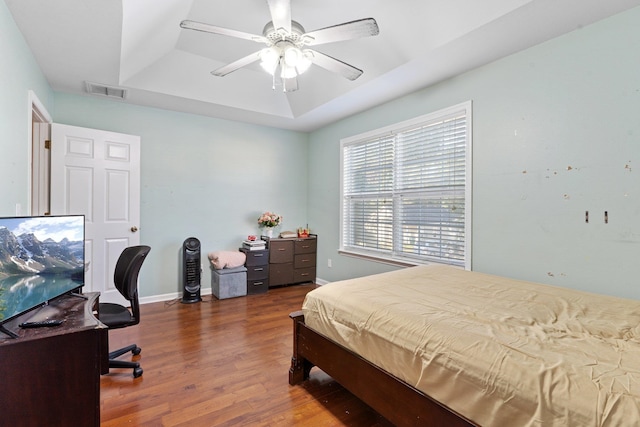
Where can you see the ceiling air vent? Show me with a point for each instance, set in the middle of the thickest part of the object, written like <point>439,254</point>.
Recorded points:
<point>104,90</point>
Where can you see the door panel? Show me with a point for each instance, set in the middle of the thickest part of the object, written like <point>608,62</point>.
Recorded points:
<point>97,173</point>
<point>79,183</point>
<point>117,197</point>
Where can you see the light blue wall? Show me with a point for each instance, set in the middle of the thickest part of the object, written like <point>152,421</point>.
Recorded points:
<point>556,132</point>
<point>19,73</point>
<point>201,177</point>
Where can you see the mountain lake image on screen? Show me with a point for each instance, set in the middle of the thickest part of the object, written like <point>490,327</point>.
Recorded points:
<point>41,258</point>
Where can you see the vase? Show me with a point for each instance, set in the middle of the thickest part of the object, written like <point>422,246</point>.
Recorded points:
<point>268,231</point>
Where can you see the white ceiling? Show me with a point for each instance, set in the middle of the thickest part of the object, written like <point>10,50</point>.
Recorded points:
<point>139,45</point>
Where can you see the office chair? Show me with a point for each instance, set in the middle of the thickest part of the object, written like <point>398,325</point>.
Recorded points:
<point>116,316</point>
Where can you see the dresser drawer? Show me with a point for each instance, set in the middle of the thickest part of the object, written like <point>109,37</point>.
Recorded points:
<point>260,257</point>
<point>281,251</point>
<point>306,246</point>
<point>280,274</point>
<point>304,261</point>
<point>257,286</point>
<point>257,272</point>
<point>304,275</point>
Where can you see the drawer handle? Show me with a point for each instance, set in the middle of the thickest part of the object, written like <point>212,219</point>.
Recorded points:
<point>304,274</point>
<point>282,249</point>
<point>305,247</point>
<point>258,283</point>
<point>258,269</point>
<point>257,255</point>
<point>305,260</point>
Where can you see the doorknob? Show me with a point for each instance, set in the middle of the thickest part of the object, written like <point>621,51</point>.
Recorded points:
<point>134,229</point>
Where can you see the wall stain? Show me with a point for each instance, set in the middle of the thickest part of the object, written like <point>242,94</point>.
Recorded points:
<point>550,274</point>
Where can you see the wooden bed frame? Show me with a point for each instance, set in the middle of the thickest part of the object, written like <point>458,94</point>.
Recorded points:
<point>391,397</point>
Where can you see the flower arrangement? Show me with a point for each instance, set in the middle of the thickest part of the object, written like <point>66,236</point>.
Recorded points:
<point>269,219</point>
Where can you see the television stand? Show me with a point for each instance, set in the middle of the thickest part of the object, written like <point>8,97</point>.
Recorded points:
<point>51,376</point>
<point>77,295</point>
<point>7,332</point>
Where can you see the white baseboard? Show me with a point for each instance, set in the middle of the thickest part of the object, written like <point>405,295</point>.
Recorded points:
<point>203,291</point>
<point>170,297</point>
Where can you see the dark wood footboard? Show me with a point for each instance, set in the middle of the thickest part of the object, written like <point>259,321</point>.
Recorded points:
<point>391,397</point>
<point>300,367</point>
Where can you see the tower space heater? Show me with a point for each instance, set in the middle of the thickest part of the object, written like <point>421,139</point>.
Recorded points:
<point>191,271</point>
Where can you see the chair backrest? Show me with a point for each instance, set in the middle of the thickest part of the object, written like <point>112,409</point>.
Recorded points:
<point>125,276</point>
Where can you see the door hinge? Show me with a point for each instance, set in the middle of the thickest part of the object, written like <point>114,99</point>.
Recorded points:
<point>47,144</point>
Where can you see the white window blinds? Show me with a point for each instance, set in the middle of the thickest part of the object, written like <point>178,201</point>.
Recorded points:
<point>406,190</point>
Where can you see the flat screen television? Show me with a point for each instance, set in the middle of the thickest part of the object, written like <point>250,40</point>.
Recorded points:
<point>41,258</point>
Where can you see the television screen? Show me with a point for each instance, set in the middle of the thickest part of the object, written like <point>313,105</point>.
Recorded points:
<point>41,258</point>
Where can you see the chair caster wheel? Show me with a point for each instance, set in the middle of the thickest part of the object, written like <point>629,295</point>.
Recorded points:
<point>136,351</point>
<point>137,372</point>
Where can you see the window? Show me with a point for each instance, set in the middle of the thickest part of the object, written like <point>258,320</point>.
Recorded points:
<point>406,190</point>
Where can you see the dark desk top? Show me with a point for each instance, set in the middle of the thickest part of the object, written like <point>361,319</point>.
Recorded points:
<point>76,312</point>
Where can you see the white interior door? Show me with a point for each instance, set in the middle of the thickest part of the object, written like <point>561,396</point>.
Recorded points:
<point>97,173</point>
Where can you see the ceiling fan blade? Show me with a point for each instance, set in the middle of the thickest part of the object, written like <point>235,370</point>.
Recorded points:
<point>349,30</point>
<point>280,14</point>
<point>242,62</point>
<point>335,65</point>
<point>207,28</point>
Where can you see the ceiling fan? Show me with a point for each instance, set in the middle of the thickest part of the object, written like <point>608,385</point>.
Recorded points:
<point>286,55</point>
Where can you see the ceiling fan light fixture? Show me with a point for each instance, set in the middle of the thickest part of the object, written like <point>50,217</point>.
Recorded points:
<point>291,55</point>
<point>291,60</point>
<point>304,62</point>
<point>296,59</point>
<point>288,72</point>
<point>270,58</point>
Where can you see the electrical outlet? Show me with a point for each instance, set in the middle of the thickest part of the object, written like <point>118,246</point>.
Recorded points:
<point>329,262</point>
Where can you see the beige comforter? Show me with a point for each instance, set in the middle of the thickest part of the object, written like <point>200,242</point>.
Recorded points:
<point>499,351</point>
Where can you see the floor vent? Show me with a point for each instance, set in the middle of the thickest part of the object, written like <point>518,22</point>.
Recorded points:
<point>104,90</point>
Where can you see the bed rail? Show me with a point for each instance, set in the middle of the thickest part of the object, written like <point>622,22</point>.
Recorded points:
<point>392,398</point>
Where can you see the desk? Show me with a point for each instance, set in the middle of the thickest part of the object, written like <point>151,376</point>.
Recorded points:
<point>51,376</point>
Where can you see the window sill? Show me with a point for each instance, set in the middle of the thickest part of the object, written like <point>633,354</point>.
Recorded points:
<point>391,261</point>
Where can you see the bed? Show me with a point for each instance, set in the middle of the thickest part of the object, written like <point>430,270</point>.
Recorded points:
<point>437,345</point>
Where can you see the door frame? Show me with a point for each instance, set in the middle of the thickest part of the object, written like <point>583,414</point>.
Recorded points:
<point>37,113</point>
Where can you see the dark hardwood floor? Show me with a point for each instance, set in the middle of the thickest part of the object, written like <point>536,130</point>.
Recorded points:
<point>223,363</point>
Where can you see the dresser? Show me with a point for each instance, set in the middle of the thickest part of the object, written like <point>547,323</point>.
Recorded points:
<point>257,265</point>
<point>292,260</point>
